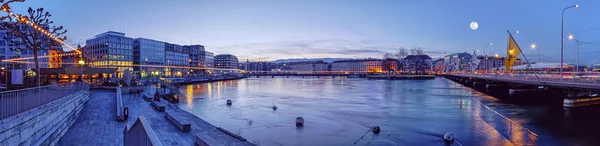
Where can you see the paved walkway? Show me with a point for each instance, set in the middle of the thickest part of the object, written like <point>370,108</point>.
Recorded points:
<point>97,123</point>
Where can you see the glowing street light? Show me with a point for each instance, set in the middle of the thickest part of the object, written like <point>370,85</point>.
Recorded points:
<point>534,47</point>
<point>571,37</point>
<point>485,54</point>
<point>81,62</point>
<point>562,20</point>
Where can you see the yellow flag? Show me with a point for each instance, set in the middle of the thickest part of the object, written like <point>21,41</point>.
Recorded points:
<point>513,51</point>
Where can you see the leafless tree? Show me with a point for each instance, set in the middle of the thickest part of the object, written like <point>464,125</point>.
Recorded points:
<point>416,51</point>
<point>33,31</point>
<point>402,52</point>
<point>388,55</point>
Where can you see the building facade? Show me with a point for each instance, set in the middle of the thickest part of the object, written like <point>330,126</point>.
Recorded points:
<point>417,64</point>
<point>149,57</point>
<point>10,50</point>
<point>226,61</point>
<point>306,66</point>
<point>357,66</point>
<point>176,59</point>
<point>438,65</point>
<point>110,50</point>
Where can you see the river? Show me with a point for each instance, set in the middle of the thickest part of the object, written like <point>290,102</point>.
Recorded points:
<point>338,111</point>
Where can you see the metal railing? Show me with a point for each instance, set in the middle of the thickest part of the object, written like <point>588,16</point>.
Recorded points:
<point>545,78</point>
<point>140,134</point>
<point>15,102</point>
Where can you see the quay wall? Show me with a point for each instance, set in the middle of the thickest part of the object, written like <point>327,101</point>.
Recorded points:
<point>45,125</point>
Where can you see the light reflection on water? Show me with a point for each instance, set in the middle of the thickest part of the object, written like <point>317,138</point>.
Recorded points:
<point>338,111</point>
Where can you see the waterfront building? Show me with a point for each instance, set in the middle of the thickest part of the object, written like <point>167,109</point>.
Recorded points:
<point>209,61</point>
<point>8,50</point>
<point>312,66</point>
<point>357,66</point>
<point>391,65</point>
<point>494,63</point>
<point>196,58</point>
<point>458,62</point>
<point>175,59</point>
<point>225,61</point>
<point>419,64</point>
<point>437,66</point>
<point>149,57</point>
<point>110,50</point>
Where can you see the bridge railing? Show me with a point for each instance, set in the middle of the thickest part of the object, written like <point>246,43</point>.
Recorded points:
<point>140,134</point>
<point>15,102</point>
<point>542,78</point>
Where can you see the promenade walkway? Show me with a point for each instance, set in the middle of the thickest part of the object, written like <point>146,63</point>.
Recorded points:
<point>96,124</point>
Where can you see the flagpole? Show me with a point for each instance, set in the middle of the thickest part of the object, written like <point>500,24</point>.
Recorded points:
<point>526,60</point>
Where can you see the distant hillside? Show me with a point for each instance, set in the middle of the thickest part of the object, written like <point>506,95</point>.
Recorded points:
<point>328,60</point>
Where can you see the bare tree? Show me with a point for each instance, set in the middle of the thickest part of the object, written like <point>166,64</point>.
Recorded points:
<point>416,51</point>
<point>387,55</point>
<point>33,31</point>
<point>402,52</point>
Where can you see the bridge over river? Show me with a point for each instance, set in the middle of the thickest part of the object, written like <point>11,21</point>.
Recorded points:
<point>571,91</point>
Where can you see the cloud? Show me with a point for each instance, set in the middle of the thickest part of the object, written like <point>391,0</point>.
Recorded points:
<point>336,48</point>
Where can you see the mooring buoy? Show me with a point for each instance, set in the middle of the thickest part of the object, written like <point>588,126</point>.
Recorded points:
<point>229,102</point>
<point>299,121</point>
<point>376,129</point>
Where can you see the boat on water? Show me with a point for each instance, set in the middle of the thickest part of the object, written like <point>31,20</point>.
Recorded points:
<point>355,76</point>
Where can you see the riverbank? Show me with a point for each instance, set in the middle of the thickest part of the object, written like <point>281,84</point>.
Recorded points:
<point>185,81</point>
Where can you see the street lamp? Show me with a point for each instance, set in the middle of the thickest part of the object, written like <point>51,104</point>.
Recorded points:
<point>534,47</point>
<point>81,62</point>
<point>571,37</point>
<point>516,32</point>
<point>562,20</point>
<point>485,54</point>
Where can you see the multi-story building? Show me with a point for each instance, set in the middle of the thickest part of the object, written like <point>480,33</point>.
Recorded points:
<point>494,63</point>
<point>209,61</point>
<point>197,57</point>
<point>312,66</point>
<point>176,60</point>
<point>149,55</point>
<point>458,62</point>
<point>110,50</point>
<point>357,66</point>
<point>10,50</point>
<point>226,61</point>
<point>438,65</point>
<point>419,64</point>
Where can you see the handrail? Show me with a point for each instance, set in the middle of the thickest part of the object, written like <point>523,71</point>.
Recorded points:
<point>15,102</point>
<point>140,134</point>
<point>119,106</point>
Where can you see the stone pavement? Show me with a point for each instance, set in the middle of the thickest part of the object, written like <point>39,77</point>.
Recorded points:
<point>97,123</point>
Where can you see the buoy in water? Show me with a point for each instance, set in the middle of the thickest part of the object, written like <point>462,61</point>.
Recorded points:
<point>376,129</point>
<point>274,107</point>
<point>299,121</point>
<point>229,102</point>
<point>449,138</point>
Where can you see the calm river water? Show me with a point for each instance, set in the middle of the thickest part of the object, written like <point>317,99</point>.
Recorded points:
<point>338,111</point>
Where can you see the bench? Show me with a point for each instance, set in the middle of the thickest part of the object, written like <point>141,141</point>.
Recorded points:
<point>158,106</point>
<point>179,121</point>
<point>202,139</point>
<point>121,112</point>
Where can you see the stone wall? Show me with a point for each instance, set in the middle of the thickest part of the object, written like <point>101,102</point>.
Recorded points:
<point>43,126</point>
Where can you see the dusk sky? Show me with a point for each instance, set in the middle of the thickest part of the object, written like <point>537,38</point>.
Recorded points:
<point>330,28</point>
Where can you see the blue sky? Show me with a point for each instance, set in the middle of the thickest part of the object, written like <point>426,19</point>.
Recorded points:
<point>337,28</point>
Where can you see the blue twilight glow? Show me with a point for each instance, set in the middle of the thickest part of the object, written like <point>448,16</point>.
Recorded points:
<point>336,28</point>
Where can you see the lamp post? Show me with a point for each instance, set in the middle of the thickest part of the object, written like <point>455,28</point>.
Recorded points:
<point>81,62</point>
<point>485,59</point>
<point>534,47</point>
<point>562,20</point>
<point>571,37</point>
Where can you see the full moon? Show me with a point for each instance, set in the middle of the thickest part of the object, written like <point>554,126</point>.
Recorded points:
<point>474,25</point>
